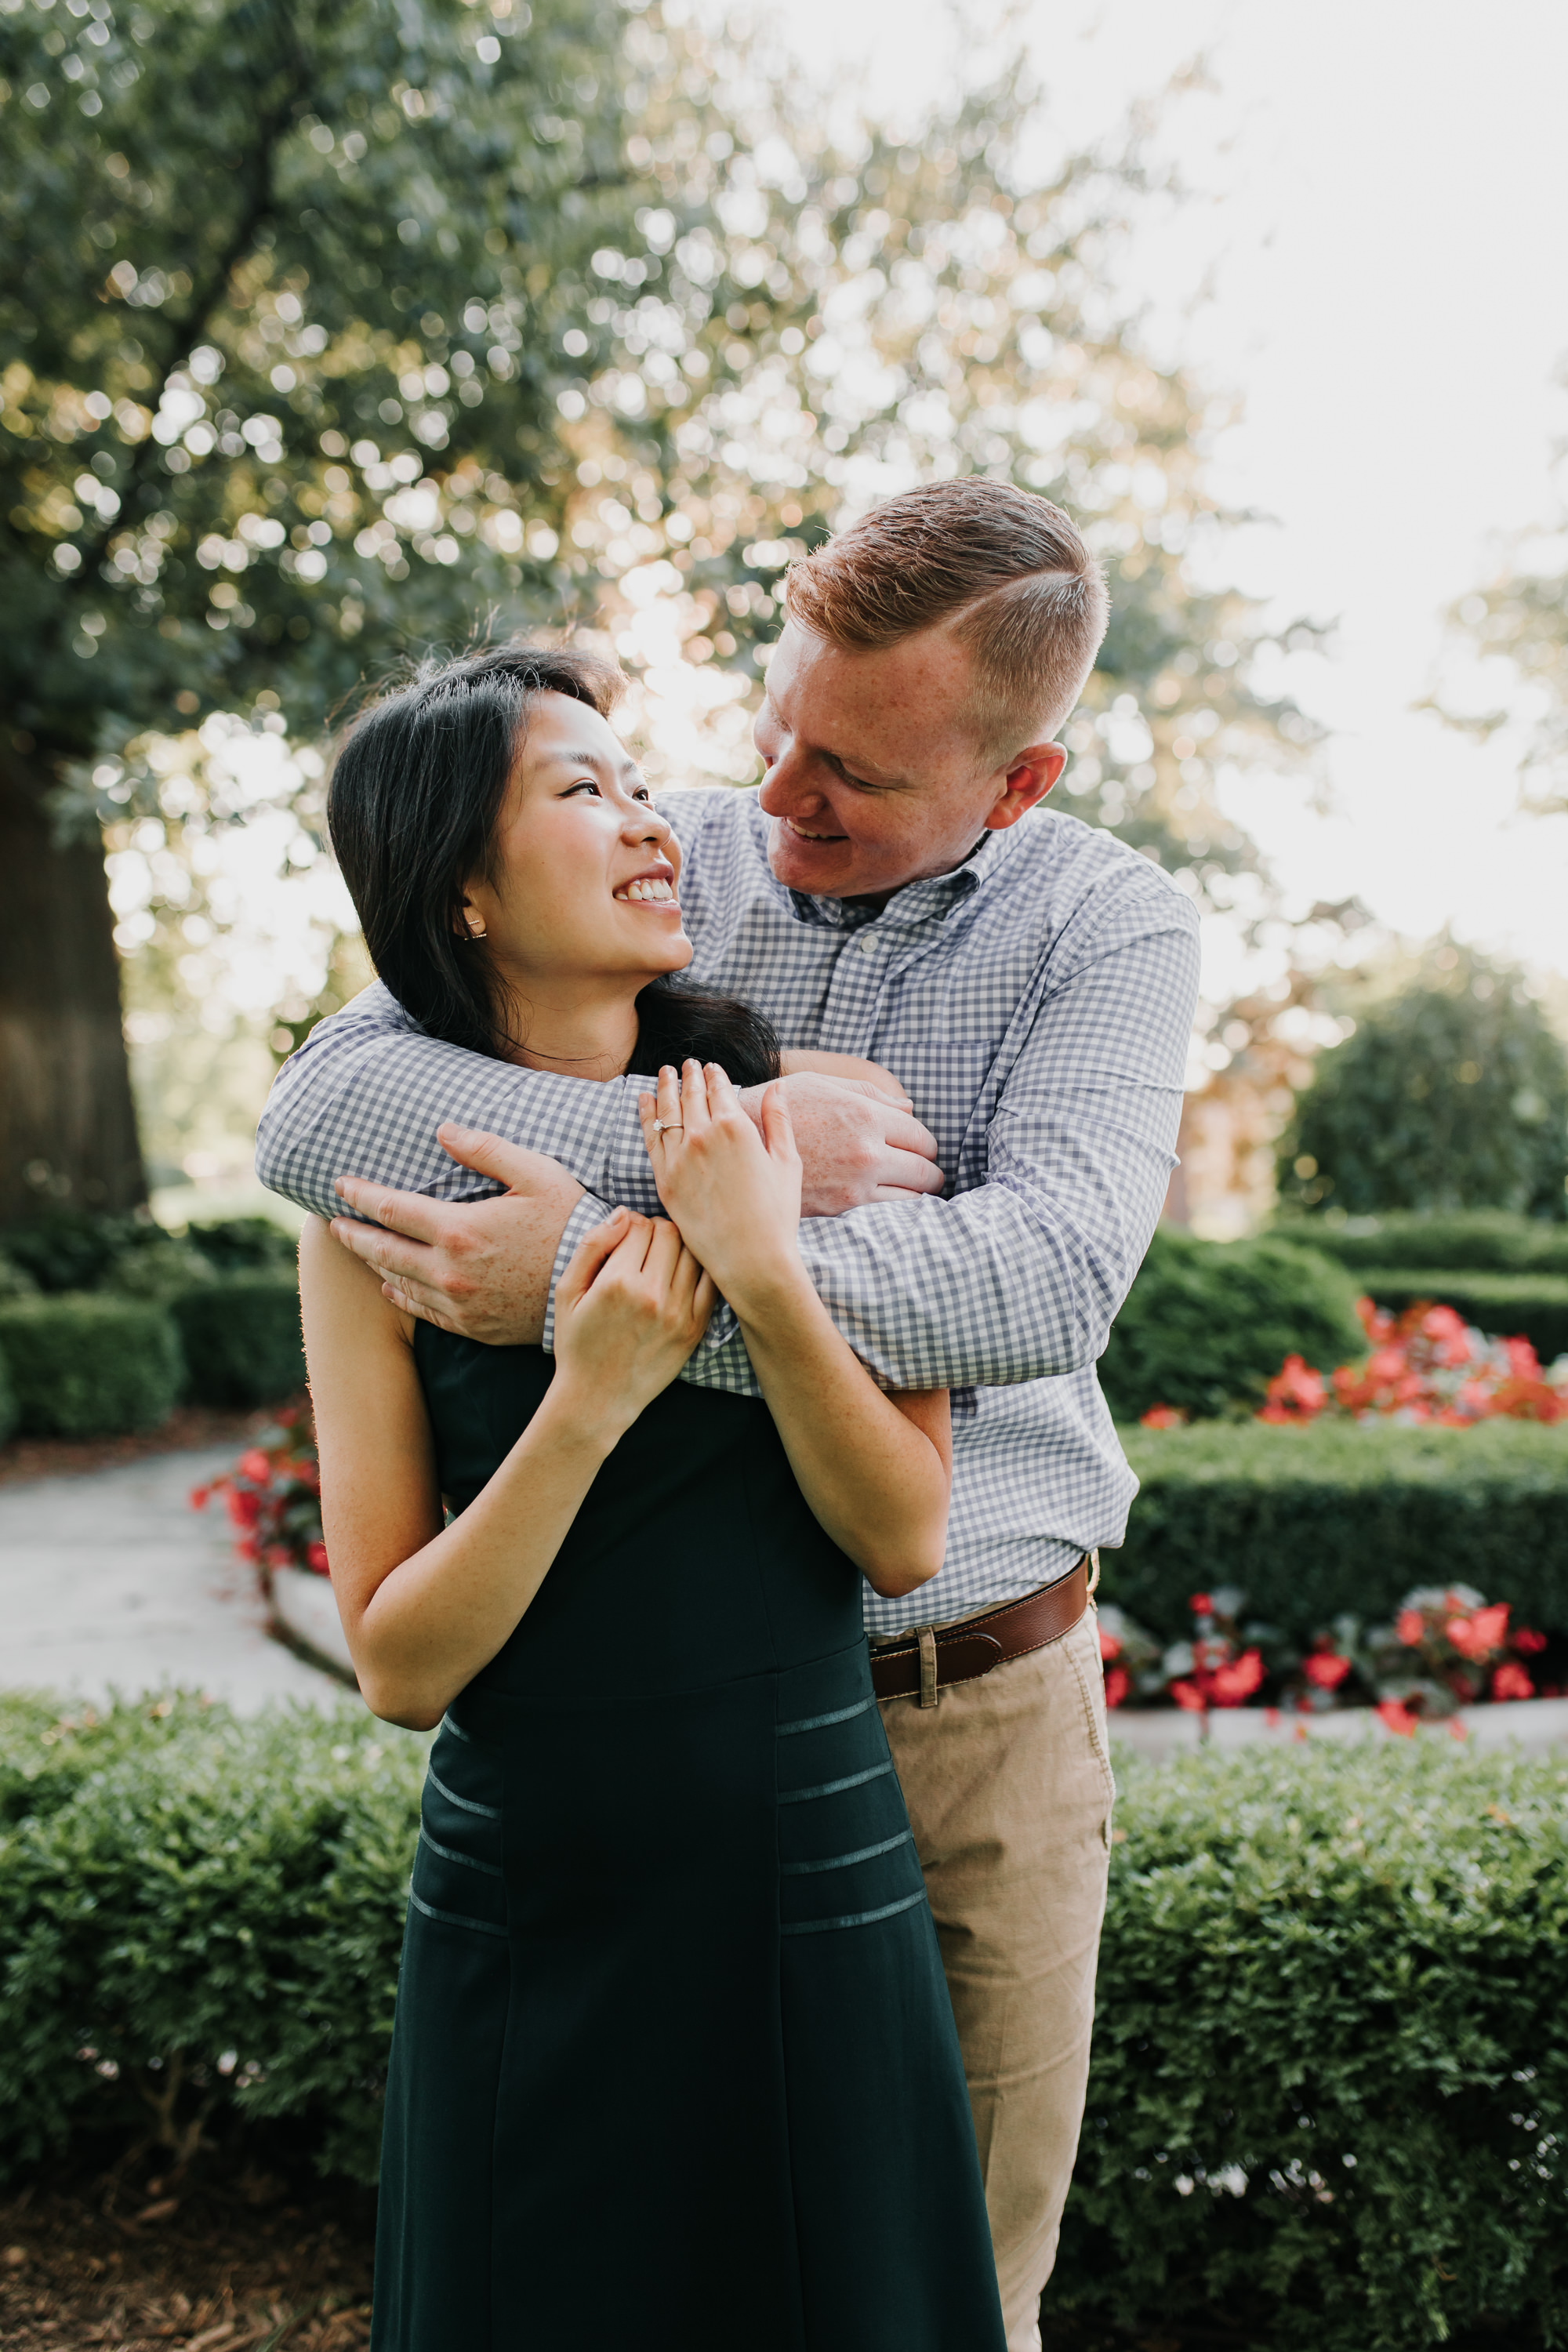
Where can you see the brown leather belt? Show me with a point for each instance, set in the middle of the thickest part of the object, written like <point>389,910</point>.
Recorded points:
<point>918,1665</point>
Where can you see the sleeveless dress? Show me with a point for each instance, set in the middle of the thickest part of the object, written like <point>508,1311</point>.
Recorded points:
<point>673,2065</point>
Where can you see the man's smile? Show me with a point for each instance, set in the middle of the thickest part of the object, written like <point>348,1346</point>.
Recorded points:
<point>804,833</point>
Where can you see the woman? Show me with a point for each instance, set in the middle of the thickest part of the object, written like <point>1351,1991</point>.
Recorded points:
<point>674,2061</point>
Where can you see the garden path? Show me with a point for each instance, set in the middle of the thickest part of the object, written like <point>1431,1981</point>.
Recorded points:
<point>111,1582</point>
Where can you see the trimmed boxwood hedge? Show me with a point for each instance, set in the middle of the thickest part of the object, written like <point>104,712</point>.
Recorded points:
<point>1342,1516</point>
<point>1207,1324</point>
<point>1506,1305</point>
<point>90,1364</point>
<point>1329,2089</point>
<point>241,1337</point>
<point>1463,1241</point>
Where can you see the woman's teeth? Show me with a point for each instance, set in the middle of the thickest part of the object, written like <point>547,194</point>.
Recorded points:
<point>659,893</point>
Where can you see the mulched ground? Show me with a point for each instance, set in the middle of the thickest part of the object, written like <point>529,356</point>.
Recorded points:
<point>187,1425</point>
<point>127,2263</point>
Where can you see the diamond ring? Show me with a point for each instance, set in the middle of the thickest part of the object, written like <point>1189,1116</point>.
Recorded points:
<point>661,1125</point>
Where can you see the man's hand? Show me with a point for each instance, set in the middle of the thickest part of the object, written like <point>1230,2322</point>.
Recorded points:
<point>481,1268</point>
<point>856,1142</point>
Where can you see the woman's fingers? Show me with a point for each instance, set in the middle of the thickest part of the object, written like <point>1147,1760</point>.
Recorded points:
<point>694,1100</point>
<point>670,1095</point>
<point>663,1257</point>
<point>722,1094</point>
<point>598,1244</point>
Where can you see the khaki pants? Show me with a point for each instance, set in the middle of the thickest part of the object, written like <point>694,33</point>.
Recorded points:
<point>1007,1780</point>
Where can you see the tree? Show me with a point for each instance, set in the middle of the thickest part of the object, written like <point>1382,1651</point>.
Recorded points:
<point>280,367</point>
<point>1518,624</point>
<point>605,324</point>
<point>1452,1094</point>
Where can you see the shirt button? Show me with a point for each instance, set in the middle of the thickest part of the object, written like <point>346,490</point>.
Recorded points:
<point>867,945</point>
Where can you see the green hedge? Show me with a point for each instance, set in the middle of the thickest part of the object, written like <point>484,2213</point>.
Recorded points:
<point>241,1339</point>
<point>1506,1305</point>
<point>10,1411</point>
<point>90,1365</point>
<point>1330,2090</point>
<point>1207,1324</point>
<point>1309,1957</point>
<point>1465,1240</point>
<point>200,1911</point>
<point>1342,1516</point>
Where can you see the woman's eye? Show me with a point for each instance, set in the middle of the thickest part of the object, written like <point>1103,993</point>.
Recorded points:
<point>584,784</point>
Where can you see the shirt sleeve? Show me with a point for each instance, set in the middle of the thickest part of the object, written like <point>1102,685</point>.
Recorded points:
<point>366,1092</point>
<point>1020,1278</point>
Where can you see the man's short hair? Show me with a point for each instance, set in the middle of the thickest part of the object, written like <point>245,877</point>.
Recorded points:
<point>1003,570</point>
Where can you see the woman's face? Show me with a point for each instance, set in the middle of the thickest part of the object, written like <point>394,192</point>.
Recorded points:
<point>585,874</point>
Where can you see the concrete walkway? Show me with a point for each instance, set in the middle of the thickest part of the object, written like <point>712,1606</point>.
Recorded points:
<point>111,1582</point>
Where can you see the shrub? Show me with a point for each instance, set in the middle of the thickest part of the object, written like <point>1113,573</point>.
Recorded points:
<point>1330,2086</point>
<point>1469,1241</point>
<point>1453,1095</point>
<point>243,1245</point>
<point>1329,2089</point>
<point>10,1412</point>
<point>196,1915</point>
<point>241,1339</point>
<point>1207,1323</point>
<point>1529,1306</point>
<point>73,1249</point>
<point>1344,1517</point>
<point>85,1367</point>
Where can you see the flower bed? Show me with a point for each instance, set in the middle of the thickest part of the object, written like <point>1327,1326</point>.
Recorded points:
<point>1342,1516</point>
<point>273,1496</point>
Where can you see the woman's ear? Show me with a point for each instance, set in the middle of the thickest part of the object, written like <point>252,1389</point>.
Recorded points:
<point>470,922</point>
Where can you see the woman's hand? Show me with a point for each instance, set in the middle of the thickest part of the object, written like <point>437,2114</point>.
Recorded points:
<point>629,1310</point>
<point>733,1190</point>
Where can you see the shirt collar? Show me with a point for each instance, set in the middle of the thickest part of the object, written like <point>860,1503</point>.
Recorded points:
<point>930,900</point>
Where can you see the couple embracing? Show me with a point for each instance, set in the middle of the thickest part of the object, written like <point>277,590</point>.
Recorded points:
<point>801,1145</point>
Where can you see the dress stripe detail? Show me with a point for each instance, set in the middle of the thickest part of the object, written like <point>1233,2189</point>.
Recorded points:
<point>819,1722</point>
<point>456,1731</point>
<point>851,1918</point>
<point>457,1919</point>
<point>828,1788</point>
<point>464,1804</point>
<point>450,1853</point>
<point>839,1861</point>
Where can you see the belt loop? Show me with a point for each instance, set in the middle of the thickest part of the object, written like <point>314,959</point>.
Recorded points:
<point>1094,1569</point>
<point>927,1637</point>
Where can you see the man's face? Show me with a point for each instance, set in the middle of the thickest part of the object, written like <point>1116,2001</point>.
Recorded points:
<point>876,773</point>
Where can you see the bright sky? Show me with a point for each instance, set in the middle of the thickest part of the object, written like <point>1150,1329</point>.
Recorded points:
<point>1380,214</point>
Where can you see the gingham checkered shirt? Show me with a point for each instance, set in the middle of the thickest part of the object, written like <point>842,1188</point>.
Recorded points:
<point>1036,1004</point>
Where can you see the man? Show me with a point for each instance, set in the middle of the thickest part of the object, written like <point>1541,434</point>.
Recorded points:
<point>893,891</point>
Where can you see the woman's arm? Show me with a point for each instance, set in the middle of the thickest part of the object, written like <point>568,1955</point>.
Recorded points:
<point>423,1607</point>
<point>876,1470</point>
<point>796,1058</point>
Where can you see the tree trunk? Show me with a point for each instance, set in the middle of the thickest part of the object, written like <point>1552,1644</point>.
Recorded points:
<point>67,1127</point>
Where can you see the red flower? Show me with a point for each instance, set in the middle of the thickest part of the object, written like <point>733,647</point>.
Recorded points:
<point>316,1558</point>
<point>1237,1682</point>
<point>1528,1641</point>
<point>1410,1625</point>
<point>1326,1671</point>
<point>1477,1636</point>
<point>1201,1605</point>
<point>1163,1416</point>
<point>1396,1716</point>
<point>1510,1681</point>
<point>254,1465</point>
<point>1188,1695</point>
<point>243,1508</point>
<point>1110,1647</point>
<point>1118,1683</point>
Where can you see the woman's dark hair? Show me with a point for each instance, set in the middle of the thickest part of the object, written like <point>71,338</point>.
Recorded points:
<point>411,810</point>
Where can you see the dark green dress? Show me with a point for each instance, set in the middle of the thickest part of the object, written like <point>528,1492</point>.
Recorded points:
<point>674,2063</point>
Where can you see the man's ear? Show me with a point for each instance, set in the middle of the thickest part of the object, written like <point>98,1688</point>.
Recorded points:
<point>1030,775</point>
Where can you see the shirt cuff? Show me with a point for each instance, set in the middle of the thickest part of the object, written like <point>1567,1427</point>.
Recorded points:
<point>587,1213</point>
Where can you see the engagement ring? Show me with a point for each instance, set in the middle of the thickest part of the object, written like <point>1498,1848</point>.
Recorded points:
<point>661,1125</point>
